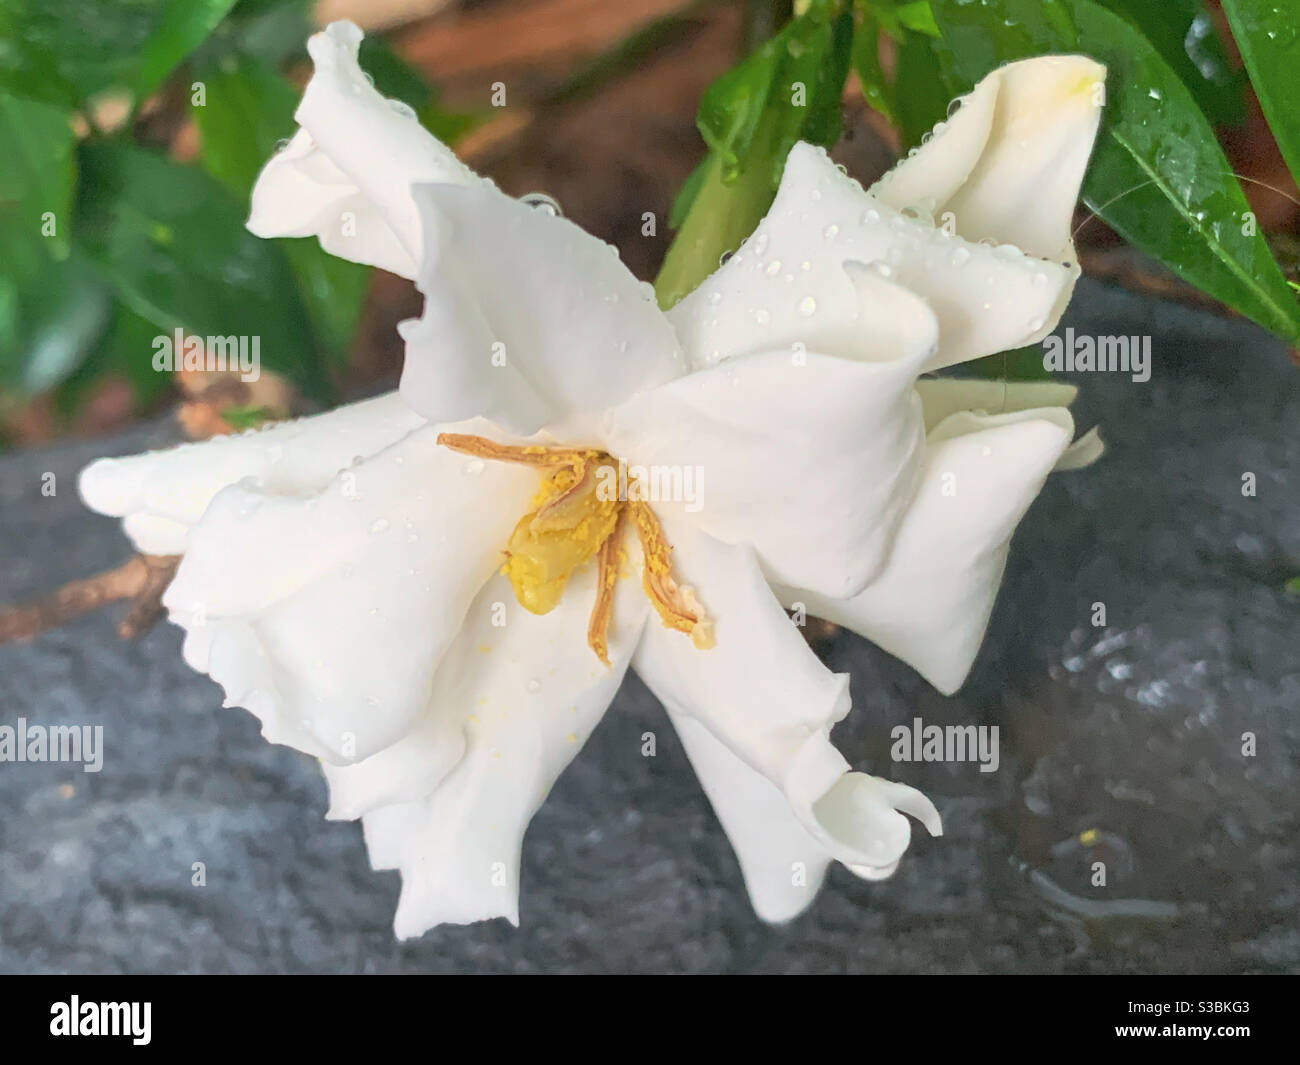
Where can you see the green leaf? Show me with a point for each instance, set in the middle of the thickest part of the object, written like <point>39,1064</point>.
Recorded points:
<point>1158,176</point>
<point>686,194</point>
<point>241,418</point>
<point>274,31</point>
<point>36,181</point>
<point>172,244</point>
<point>185,24</point>
<point>923,88</point>
<point>982,36</point>
<point>919,17</point>
<point>1177,27</point>
<point>248,110</point>
<point>1161,180</point>
<point>792,83</point>
<point>1268,34</point>
<point>790,88</point>
<point>67,51</point>
<point>41,293</point>
<point>1019,364</point>
<point>63,314</point>
<point>124,350</point>
<point>866,64</point>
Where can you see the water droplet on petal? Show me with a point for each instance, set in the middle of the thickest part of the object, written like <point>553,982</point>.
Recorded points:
<point>871,217</point>
<point>960,256</point>
<point>761,316</point>
<point>715,298</point>
<point>543,202</point>
<point>830,231</point>
<point>379,525</point>
<point>534,685</point>
<point>402,108</point>
<point>807,306</point>
<point>474,467</point>
<point>773,268</point>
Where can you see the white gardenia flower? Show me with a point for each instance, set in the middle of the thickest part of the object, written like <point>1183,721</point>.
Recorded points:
<point>342,575</point>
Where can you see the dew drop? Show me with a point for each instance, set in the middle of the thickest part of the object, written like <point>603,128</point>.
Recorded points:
<point>960,256</point>
<point>379,525</point>
<point>543,202</point>
<point>715,298</point>
<point>760,244</point>
<point>534,685</point>
<point>871,217</point>
<point>402,108</point>
<point>830,231</point>
<point>807,306</point>
<point>773,268</point>
<point>761,316</point>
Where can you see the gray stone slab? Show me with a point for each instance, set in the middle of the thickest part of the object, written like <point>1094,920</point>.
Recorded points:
<point>1134,730</point>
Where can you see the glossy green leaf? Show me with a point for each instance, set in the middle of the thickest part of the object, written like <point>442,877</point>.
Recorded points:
<point>68,51</point>
<point>1268,34</point>
<point>1182,32</point>
<point>790,84</point>
<point>248,109</point>
<point>171,242</point>
<point>37,286</point>
<point>184,26</point>
<point>918,16</point>
<point>1161,180</point>
<point>923,87</point>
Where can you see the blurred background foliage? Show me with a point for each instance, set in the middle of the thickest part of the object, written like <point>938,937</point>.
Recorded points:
<point>131,132</point>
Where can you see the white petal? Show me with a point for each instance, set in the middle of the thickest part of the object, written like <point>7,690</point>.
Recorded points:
<point>932,603</point>
<point>514,293</point>
<point>346,177</point>
<point>763,693</point>
<point>810,458</point>
<point>1019,185</point>
<point>327,614</point>
<point>986,299</point>
<point>782,864</point>
<point>927,177</point>
<point>161,494</point>
<point>526,695</point>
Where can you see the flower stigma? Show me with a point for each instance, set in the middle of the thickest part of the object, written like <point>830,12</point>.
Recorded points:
<point>570,522</point>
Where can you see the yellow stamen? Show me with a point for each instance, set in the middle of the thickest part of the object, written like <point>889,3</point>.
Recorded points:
<point>677,606</point>
<point>608,560</point>
<point>571,521</point>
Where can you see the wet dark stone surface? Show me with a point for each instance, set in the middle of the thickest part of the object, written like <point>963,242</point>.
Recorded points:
<point>1133,730</point>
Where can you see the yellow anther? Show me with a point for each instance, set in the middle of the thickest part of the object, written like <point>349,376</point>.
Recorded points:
<point>572,521</point>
